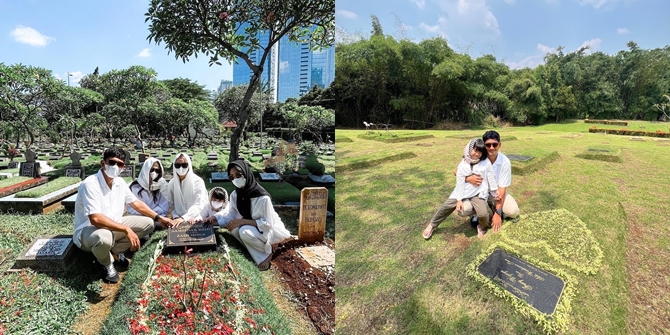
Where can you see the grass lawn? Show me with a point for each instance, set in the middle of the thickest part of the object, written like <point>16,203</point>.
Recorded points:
<point>391,281</point>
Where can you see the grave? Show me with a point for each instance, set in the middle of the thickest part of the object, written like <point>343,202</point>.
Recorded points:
<point>219,177</point>
<point>639,139</point>
<point>270,177</point>
<point>30,168</point>
<point>198,236</point>
<point>519,158</point>
<point>598,150</point>
<point>212,156</point>
<point>47,252</point>
<point>312,218</point>
<point>22,186</point>
<point>167,155</point>
<point>68,203</point>
<point>540,289</point>
<point>12,165</point>
<point>75,169</point>
<point>141,158</point>
<point>318,256</point>
<point>42,205</point>
<point>129,171</point>
<point>325,179</point>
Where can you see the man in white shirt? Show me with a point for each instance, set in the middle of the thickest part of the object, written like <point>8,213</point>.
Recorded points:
<point>99,224</point>
<point>502,168</point>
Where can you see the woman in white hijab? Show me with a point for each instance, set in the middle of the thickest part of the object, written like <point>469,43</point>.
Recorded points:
<point>186,192</point>
<point>147,188</point>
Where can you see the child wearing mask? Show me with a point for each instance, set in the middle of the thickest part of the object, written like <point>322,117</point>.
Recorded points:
<point>218,203</point>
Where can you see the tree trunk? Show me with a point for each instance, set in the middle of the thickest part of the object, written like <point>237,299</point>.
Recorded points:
<point>244,116</point>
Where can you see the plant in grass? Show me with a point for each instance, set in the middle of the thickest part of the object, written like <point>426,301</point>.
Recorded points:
<point>49,187</point>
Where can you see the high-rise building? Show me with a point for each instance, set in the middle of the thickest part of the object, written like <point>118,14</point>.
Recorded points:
<point>291,69</point>
<point>225,84</point>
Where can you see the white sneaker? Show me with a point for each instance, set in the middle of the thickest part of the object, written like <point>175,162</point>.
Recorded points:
<point>112,275</point>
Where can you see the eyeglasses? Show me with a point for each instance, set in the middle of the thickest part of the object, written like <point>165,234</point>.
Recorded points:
<point>492,145</point>
<point>233,176</point>
<point>180,165</point>
<point>120,164</point>
<point>155,170</point>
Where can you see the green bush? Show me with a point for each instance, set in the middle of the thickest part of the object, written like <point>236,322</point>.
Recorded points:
<point>312,164</point>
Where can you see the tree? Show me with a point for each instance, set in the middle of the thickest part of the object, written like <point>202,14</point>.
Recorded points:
<point>229,29</point>
<point>186,90</point>
<point>307,118</point>
<point>229,102</point>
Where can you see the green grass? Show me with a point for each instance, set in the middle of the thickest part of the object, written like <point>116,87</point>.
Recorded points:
<point>395,137</point>
<point>12,181</point>
<point>541,159</point>
<point>51,186</point>
<point>391,281</point>
<point>597,152</point>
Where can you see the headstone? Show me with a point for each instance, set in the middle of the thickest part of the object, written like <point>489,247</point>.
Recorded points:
<point>75,169</point>
<point>318,256</point>
<point>129,171</point>
<point>323,179</point>
<point>219,176</point>
<point>30,168</point>
<point>538,288</point>
<point>12,165</point>
<point>520,158</point>
<point>598,150</point>
<point>270,177</point>
<point>142,158</point>
<point>198,236</point>
<point>312,218</point>
<point>212,156</point>
<point>47,252</point>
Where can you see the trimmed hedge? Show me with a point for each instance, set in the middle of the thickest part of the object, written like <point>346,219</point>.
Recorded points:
<point>616,123</point>
<point>629,132</point>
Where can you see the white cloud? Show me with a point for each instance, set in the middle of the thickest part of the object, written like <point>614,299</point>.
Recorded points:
<point>30,36</point>
<point>469,21</point>
<point>283,67</point>
<point>545,49</point>
<point>345,14</point>
<point>420,3</point>
<point>622,31</point>
<point>530,61</point>
<point>75,77</point>
<point>146,52</point>
<point>593,44</point>
<point>595,3</point>
<point>439,29</point>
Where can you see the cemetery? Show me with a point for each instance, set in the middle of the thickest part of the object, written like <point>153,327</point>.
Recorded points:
<point>575,261</point>
<point>297,294</point>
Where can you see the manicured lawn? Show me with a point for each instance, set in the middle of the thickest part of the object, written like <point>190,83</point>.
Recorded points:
<point>51,186</point>
<point>390,280</point>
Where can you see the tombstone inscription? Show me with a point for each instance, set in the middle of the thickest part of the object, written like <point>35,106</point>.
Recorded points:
<point>199,236</point>
<point>312,218</point>
<point>46,251</point>
<point>540,289</point>
<point>30,168</point>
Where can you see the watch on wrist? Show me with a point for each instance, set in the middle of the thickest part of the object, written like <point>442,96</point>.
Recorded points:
<point>157,217</point>
<point>499,211</point>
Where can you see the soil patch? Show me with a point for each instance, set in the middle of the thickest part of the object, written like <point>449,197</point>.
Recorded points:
<point>99,307</point>
<point>313,288</point>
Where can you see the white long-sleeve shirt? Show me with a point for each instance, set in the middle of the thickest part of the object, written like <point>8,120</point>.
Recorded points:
<point>464,190</point>
<point>263,213</point>
<point>160,205</point>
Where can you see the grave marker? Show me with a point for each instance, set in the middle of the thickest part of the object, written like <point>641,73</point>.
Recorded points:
<point>75,169</point>
<point>540,289</point>
<point>520,158</point>
<point>30,168</point>
<point>219,176</point>
<point>198,236</point>
<point>129,171</point>
<point>45,252</point>
<point>312,221</point>
<point>270,177</point>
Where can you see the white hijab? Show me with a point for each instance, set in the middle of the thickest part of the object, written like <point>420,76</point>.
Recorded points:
<point>182,194</point>
<point>145,174</point>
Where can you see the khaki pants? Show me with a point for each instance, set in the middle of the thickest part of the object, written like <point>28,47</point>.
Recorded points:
<point>450,205</point>
<point>101,241</point>
<point>510,207</point>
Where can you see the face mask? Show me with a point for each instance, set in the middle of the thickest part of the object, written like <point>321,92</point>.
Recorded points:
<point>182,171</point>
<point>153,175</point>
<point>217,205</point>
<point>112,171</point>
<point>239,182</point>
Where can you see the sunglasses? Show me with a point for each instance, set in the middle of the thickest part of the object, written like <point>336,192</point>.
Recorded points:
<point>233,176</point>
<point>120,164</point>
<point>492,145</point>
<point>180,165</point>
<point>155,170</point>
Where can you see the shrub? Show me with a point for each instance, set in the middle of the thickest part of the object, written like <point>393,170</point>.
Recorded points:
<point>616,123</point>
<point>628,132</point>
<point>312,164</point>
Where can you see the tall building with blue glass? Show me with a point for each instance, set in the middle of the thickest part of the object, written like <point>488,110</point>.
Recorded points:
<point>291,70</point>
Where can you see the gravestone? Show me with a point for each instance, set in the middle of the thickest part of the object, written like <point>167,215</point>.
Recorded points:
<point>47,252</point>
<point>598,150</point>
<point>639,139</point>
<point>539,288</point>
<point>520,158</point>
<point>212,156</point>
<point>30,168</point>
<point>12,165</point>
<point>129,171</point>
<point>75,169</point>
<point>325,179</point>
<point>270,177</point>
<point>141,158</point>
<point>198,236</point>
<point>312,218</point>
<point>219,176</point>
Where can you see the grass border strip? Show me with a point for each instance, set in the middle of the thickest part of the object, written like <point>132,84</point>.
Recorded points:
<point>535,165</point>
<point>343,139</point>
<point>556,322</point>
<point>396,139</point>
<point>375,162</point>
<point>605,157</point>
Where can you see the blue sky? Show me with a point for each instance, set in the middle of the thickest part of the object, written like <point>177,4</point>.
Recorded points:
<point>518,32</point>
<point>77,35</point>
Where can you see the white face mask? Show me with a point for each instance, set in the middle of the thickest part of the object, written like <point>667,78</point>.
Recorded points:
<point>153,175</point>
<point>182,171</point>
<point>239,182</point>
<point>217,205</point>
<point>112,171</point>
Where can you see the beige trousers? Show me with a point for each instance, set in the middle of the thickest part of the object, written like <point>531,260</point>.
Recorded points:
<point>101,241</point>
<point>510,207</point>
<point>449,206</point>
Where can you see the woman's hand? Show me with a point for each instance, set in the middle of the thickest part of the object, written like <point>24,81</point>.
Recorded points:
<point>192,221</point>
<point>210,220</point>
<point>176,222</point>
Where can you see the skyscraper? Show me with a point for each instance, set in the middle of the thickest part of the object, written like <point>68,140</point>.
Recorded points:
<point>225,84</point>
<point>291,70</point>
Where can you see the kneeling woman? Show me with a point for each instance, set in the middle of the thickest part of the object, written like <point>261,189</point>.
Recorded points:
<point>147,188</point>
<point>251,217</point>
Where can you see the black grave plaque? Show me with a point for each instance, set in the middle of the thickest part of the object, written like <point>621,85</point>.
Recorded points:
<point>198,235</point>
<point>29,170</point>
<point>520,158</point>
<point>79,173</point>
<point>537,287</point>
<point>598,150</point>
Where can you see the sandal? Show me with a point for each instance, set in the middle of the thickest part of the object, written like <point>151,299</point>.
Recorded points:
<point>429,235</point>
